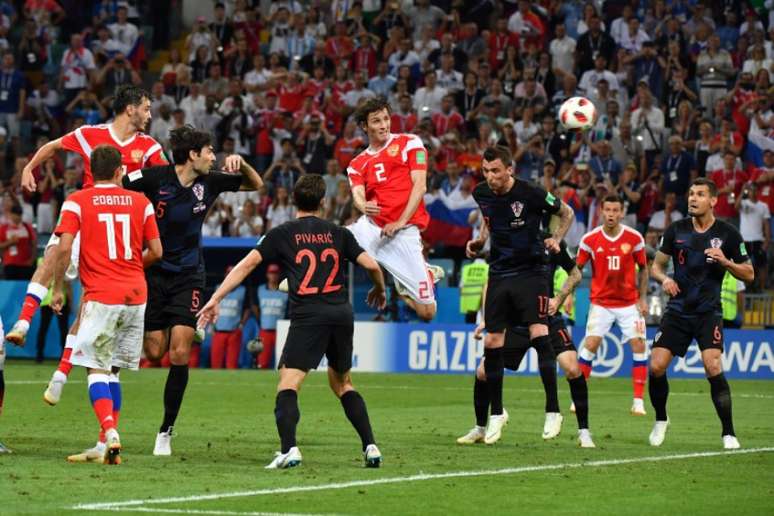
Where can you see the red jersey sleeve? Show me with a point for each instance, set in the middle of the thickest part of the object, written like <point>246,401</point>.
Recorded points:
<point>416,155</point>
<point>639,252</point>
<point>155,156</point>
<point>74,141</point>
<point>70,218</point>
<point>585,252</point>
<point>150,230</point>
<point>355,175</point>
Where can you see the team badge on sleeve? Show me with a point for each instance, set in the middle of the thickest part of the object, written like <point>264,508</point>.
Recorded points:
<point>421,157</point>
<point>742,249</point>
<point>550,199</point>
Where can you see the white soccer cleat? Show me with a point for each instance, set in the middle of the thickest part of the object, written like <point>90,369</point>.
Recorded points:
<point>730,442</point>
<point>495,428</point>
<point>95,454</point>
<point>638,407</point>
<point>584,439</point>
<point>283,285</point>
<point>476,435</point>
<point>658,433</point>
<point>4,449</point>
<point>373,457</point>
<point>291,459</point>
<point>553,425</point>
<point>53,392</point>
<point>437,272</point>
<point>18,333</point>
<point>572,407</point>
<point>163,446</point>
<point>112,448</point>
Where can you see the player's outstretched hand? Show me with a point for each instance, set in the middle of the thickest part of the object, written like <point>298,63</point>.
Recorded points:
<point>472,248</point>
<point>478,334</point>
<point>715,254</point>
<point>371,208</point>
<point>553,306</point>
<point>57,301</point>
<point>642,307</point>
<point>670,287</point>
<point>208,314</point>
<point>232,163</point>
<point>376,298</point>
<point>28,180</point>
<point>552,245</point>
<point>390,229</point>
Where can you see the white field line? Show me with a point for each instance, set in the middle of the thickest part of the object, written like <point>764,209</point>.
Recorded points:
<point>408,388</point>
<point>410,478</point>
<point>156,510</point>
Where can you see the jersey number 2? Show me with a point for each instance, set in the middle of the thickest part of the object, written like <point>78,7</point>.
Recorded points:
<point>304,289</point>
<point>110,227</point>
<point>379,171</point>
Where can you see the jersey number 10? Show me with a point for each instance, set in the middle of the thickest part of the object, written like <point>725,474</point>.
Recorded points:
<point>110,227</point>
<point>613,263</point>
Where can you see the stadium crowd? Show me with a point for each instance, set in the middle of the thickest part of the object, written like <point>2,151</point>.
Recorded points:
<point>683,88</point>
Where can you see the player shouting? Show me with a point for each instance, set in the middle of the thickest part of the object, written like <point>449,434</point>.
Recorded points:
<point>388,182</point>
<point>314,253</point>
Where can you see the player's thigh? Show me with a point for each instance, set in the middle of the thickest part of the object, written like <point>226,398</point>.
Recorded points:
<point>561,341</point>
<point>184,299</point>
<point>367,234</point>
<point>95,342</point>
<point>516,346</point>
<point>305,347</point>
<point>290,378</point>
<point>529,298</point>
<point>339,350</point>
<point>630,321</point>
<point>675,333</point>
<point>499,311</point>
<point>599,322</point>
<point>402,256</point>
<point>130,337</point>
<point>709,332</point>
<point>155,317</point>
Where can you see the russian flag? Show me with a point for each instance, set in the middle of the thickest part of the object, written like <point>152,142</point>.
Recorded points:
<point>449,217</point>
<point>756,144</point>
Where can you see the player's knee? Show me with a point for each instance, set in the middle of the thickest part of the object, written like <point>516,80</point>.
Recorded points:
<point>657,368</point>
<point>480,373</point>
<point>592,343</point>
<point>153,347</point>
<point>638,345</point>
<point>713,367</point>
<point>340,383</point>
<point>426,312</point>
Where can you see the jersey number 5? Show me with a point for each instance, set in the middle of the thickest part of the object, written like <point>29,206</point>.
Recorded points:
<point>110,227</point>
<point>304,289</point>
<point>379,171</point>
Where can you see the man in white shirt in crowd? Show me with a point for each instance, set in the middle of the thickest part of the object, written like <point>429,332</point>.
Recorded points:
<point>663,218</point>
<point>123,32</point>
<point>754,225</point>
<point>427,99</point>
<point>648,122</point>
<point>562,49</point>
<point>590,77</point>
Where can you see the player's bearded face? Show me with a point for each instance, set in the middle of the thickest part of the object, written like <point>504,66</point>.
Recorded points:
<point>378,126</point>
<point>700,201</point>
<point>203,164</point>
<point>496,174</point>
<point>141,115</point>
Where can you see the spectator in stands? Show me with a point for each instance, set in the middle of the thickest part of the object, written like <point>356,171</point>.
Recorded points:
<point>116,72</point>
<point>227,335</point>
<point>248,223</point>
<point>729,180</point>
<point>18,241</point>
<point>590,78</point>
<point>755,227</point>
<point>218,217</point>
<point>123,32</point>
<point>713,67</point>
<point>12,95</point>
<point>404,119</point>
<point>238,59</point>
<point>215,84</point>
<point>31,53</point>
<point>48,177</point>
<point>339,209</point>
<point>593,44</point>
<point>200,65</point>
<point>208,119</point>
<point>200,36</point>
<point>272,306</point>
<point>285,170</point>
<point>678,170</point>
<point>648,122</point>
<point>604,166</point>
<point>315,145</point>
<point>86,105</point>
<point>333,177</point>
<point>221,28</point>
<point>193,104</point>
<point>281,209</point>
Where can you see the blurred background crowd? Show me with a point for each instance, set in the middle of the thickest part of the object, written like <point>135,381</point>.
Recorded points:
<point>683,89</point>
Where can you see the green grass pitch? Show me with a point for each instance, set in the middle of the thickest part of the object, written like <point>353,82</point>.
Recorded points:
<point>226,434</point>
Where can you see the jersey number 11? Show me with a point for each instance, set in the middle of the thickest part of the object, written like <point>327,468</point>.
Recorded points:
<point>110,227</point>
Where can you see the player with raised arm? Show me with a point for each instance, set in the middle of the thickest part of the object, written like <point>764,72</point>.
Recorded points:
<point>131,106</point>
<point>181,194</point>
<point>702,248</point>
<point>314,253</point>
<point>114,223</point>
<point>388,182</point>
<point>618,291</point>
<point>517,344</point>
<point>517,290</point>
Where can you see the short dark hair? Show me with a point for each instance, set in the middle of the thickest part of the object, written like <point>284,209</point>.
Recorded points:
<point>128,95</point>
<point>185,139</point>
<point>105,159</point>
<point>709,183</point>
<point>308,192</point>
<point>371,105</point>
<point>498,152</point>
<point>611,198</point>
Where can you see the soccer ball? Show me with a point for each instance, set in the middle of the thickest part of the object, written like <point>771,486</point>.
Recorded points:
<point>254,346</point>
<point>577,113</point>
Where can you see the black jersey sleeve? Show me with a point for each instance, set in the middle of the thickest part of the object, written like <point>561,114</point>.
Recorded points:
<point>734,247</point>
<point>351,248</point>
<point>668,240</point>
<point>221,182</point>
<point>268,245</point>
<point>146,180</point>
<point>543,200</point>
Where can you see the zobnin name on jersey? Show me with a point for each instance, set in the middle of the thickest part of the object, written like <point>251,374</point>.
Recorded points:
<point>112,200</point>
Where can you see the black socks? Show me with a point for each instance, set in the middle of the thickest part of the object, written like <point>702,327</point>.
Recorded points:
<point>658,388</point>
<point>580,396</point>
<point>547,368</point>
<point>494,367</point>
<point>355,409</point>
<point>721,397</point>
<point>287,415</point>
<point>177,380</point>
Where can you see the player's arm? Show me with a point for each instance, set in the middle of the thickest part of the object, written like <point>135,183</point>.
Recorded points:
<point>251,180</point>
<point>473,247</point>
<point>573,279</point>
<point>209,314</point>
<point>742,271</point>
<point>418,189</point>
<point>44,153</point>
<point>150,229</point>
<point>152,253</point>
<point>376,296</point>
<point>61,261</point>
<point>658,272</point>
<point>643,278</point>
<point>566,216</point>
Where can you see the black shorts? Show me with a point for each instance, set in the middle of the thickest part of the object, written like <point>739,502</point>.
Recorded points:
<point>757,253</point>
<point>676,332</point>
<point>515,301</point>
<point>306,345</point>
<point>173,298</point>
<point>560,337</point>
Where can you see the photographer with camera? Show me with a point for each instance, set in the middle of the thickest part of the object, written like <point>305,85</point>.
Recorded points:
<point>754,225</point>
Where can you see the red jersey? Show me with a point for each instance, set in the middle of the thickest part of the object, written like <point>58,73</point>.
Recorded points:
<point>613,260</point>
<point>403,123</point>
<point>765,190</point>
<point>19,254</point>
<point>137,152</point>
<point>386,176</point>
<point>735,179</point>
<point>113,223</point>
<point>345,150</point>
<point>444,123</point>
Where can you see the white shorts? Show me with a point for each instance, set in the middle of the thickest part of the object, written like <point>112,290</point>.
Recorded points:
<point>401,255</point>
<point>75,253</point>
<point>628,318</point>
<point>109,336</point>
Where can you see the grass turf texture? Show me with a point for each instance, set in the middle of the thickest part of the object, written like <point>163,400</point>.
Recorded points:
<point>226,434</point>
